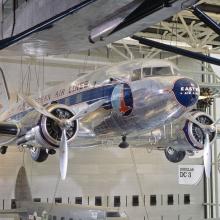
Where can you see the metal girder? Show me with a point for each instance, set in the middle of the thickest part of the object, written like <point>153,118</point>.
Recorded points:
<point>207,20</point>
<point>176,34</point>
<point>118,51</point>
<point>187,29</point>
<point>176,50</point>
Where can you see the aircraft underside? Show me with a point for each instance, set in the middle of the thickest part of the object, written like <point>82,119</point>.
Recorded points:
<point>84,27</point>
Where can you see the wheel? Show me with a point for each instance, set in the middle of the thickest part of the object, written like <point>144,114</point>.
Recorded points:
<point>173,155</point>
<point>39,154</point>
<point>3,149</point>
<point>123,144</point>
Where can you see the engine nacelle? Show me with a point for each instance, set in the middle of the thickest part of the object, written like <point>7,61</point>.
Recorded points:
<point>195,134</point>
<point>48,133</point>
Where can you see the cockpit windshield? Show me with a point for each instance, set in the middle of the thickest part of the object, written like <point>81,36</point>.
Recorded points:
<point>151,71</point>
<point>161,71</point>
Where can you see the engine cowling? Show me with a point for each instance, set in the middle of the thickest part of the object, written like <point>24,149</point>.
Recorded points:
<point>49,131</point>
<point>195,134</point>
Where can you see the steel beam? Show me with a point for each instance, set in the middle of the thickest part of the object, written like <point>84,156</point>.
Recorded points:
<point>177,50</point>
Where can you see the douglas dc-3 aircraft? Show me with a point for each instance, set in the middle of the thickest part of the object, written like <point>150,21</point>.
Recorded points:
<point>148,95</point>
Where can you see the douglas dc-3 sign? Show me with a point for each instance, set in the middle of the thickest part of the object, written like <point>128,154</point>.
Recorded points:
<point>148,95</point>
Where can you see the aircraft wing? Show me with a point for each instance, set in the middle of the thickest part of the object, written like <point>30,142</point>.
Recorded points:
<point>8,132</point>
<point>85,25</point>
<point>12,131</point>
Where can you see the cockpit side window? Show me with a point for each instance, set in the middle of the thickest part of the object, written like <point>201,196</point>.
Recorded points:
<point>176,71</point>
<point>146,72</point>
<point>161,71</point>
<point>136,75</point>
<point>113,214</point>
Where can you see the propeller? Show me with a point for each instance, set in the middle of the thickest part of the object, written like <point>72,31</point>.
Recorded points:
<point>91,108</point>
<point>63,155</point>
<point>64,124</point>
<point>34,104</point>
<point>207,155</point>
<point>207,145</point>
<point>206,128</point>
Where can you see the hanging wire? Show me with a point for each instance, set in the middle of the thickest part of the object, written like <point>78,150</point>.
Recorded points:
<point>20,85</point>
<point>43,73</point>
<point>85,63</point>
<point>28,82</point>
<point>55,192</point>
<point>176,21</point>
<point>37,76</point>
<point>139,181</point>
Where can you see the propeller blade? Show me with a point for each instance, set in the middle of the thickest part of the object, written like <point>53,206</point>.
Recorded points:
<point>87,110</point>
<point>203,97</point>
<point>63,155</point>
<point>192,119</point>
<point>30,101</point>
<point>207,156</point>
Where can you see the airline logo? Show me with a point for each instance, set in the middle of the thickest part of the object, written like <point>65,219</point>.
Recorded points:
<point>122,99</point>
<point>189,90</point>
<point>186,92</point>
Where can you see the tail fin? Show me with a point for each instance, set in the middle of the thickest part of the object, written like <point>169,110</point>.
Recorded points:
<point>4,94</point>
<point>22,189</point>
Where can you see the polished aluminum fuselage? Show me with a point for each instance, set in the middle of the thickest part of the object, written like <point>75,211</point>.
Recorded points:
<point>154,105</point>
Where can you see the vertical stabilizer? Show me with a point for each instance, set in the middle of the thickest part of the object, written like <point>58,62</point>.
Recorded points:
<point>22,189</point>
<point>4,94</point>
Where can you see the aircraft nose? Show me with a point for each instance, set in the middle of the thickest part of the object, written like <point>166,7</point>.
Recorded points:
<point>186,91</point>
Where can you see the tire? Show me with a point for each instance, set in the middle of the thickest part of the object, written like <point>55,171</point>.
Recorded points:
<point>38,154</point>
<point>173,155</point>
<point>3,149</point>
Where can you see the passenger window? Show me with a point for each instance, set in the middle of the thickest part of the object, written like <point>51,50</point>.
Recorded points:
<point>161,71</point>
<point>37,200</point>
<point>117,201</point>
<point>62,218</point>
<point>54,217</point>
<point>78,200</point>
<point>98,201</point>
<point>58,200</point>
<point>153,200</point>
<point>135,200</point>
<point>113,214</point>
<point>186,199</point>
<point>49,217</point>
<point>13,204</point>
<point>146,72</point>
<point>136,75</point>
<point>170,199</point>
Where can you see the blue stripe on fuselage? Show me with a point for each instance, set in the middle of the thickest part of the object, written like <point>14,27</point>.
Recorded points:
<point>90,96</point>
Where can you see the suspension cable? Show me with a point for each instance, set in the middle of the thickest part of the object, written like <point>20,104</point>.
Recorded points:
<point>139,181</point>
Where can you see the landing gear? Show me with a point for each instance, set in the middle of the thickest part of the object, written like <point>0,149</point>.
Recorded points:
<point>39,154</point>
<point>51,151</point>
<point>123,144</point>
<point>3,149</point>
<point>173,155</point>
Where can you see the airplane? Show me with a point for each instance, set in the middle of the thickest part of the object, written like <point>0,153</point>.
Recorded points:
<point>68,26</point>
<point>25,208</point>
<point>123,101</point>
